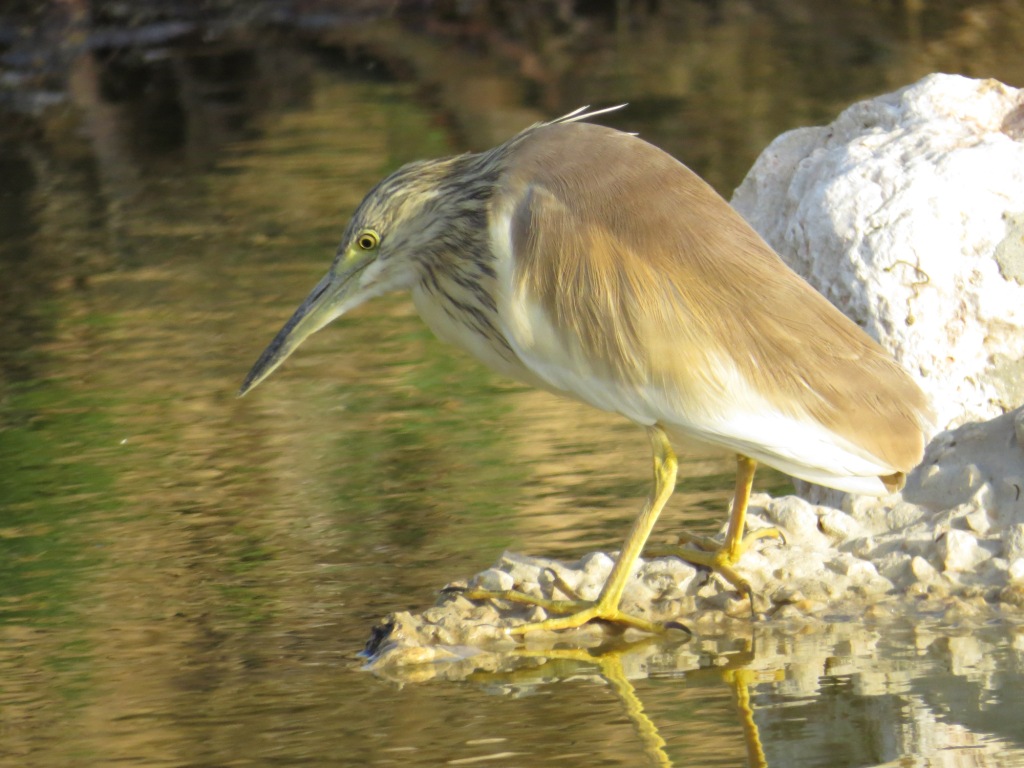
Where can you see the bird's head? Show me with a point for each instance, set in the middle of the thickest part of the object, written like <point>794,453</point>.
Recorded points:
<point>393,231</point>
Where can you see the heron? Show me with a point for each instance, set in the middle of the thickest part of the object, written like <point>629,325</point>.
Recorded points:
<point>587,262</point>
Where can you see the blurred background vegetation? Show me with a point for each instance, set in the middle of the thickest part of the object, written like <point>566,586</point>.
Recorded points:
<point>713,80</point>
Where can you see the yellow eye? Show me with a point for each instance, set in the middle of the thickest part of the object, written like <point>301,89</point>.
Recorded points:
<point>368,240</point>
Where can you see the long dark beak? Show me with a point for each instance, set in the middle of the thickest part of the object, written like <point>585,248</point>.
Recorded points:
<point>322,305</point>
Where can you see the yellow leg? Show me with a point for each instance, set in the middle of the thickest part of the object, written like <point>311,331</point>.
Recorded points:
<point>607,605</point>
<point>722,558</point>
<point>735,545</point>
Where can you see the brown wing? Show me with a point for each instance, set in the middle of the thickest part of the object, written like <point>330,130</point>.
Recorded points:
<point>657,281</point>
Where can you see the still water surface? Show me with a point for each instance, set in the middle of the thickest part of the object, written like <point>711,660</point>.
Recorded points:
<point>186,578</point>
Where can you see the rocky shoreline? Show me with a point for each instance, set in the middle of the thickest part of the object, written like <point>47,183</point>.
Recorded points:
<point>941,286</point>
<point>950,547</point>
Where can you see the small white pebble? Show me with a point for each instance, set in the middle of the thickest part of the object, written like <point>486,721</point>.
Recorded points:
<point>1016,570</point>
<point>493,580</point>
<point>894,566</point>
<point>960,551</point>
<point>861,571</point>
<point>1013,541</point>
<point>839,525</point>
<point>799,520</point>
<point>863,548</point>
<point>977,520</point>
<point>923,571</point>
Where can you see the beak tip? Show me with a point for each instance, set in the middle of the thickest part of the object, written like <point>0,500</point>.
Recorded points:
<point>307,319</point>
<point>247,385</point>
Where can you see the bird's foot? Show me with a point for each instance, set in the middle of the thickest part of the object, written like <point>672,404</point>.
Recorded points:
<point>573,613</point>
<point>720,558</point>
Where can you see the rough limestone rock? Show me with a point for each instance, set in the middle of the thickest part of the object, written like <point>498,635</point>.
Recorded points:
<point>907,212</point>
<point>951,545</point>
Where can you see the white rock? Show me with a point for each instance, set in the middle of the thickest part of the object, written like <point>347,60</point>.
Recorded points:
<point>978,464</point>
<point>839,526</point>
<point>960,551</point>
<point>705,590</point>
<point>894,566</point>
<point>1013,542</point>
<point>803,566</point>
<point>522,568</point>
<point>995,570</point>
<point>561,583</point>
<point>877,586</point>
<point>494,580</point>
<point>924,571</point>
<point>668,577</point>
<point>978,521</point>
<point>877,516</point>
<point>637,597</point>
<point>598,563</point>
<point>907,212</point>
<point>864,548</point>
<point>799,520</point>
<point>862,572</point>
<point>594,571</point>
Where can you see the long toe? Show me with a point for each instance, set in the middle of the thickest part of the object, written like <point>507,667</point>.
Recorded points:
<point>571,613</point>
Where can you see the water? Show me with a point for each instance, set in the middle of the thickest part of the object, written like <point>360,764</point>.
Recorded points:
<point>186,578</point>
